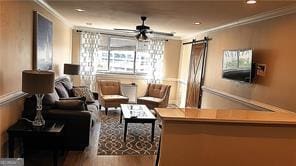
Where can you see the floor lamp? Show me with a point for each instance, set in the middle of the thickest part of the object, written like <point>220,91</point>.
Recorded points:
<point>38,83</point>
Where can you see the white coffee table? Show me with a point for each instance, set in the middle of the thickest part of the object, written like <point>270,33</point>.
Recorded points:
<point>136,113</point>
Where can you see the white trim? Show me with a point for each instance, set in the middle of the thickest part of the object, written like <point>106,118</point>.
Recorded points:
<point>184,82</point>
<point>131,76</point>
<point>52,11</point>
<point>171,79</point>
<point>249,102</point>
<point>249,20</point>
<point>10,97</point>
<point>173,102</point>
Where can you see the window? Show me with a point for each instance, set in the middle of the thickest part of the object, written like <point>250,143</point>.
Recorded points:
<point>123,55</point>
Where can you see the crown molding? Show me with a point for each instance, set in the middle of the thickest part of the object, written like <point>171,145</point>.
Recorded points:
<point>52,11</point>
<point>249,20</point>
<point>255,18</point>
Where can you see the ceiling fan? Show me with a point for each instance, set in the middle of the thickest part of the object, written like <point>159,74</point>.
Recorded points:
<point>143,30</point>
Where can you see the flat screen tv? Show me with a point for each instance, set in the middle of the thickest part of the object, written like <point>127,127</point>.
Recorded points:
<point>237,65</point>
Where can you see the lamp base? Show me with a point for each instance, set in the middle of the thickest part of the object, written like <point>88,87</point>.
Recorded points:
<point>39,121</point>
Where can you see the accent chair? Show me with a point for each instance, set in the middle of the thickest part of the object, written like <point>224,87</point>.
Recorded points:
<point>157,95</point>
<point>110,94</point>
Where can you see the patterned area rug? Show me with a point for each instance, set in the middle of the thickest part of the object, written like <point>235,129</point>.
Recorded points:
<point>137,139</point>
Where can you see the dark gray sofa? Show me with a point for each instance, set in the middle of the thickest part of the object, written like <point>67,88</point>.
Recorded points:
<point>78,120</point>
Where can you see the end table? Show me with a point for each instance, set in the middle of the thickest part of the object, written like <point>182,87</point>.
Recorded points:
<point>50,136</point>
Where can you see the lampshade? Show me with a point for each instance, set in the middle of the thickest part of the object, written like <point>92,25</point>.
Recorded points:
<point>37,81</point>
<point>71,69</point>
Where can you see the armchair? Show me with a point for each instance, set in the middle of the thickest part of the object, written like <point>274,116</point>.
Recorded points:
<point>157,95</point>
<point>110,94</point>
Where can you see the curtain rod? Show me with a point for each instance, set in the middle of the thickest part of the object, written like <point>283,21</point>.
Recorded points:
<point>103,33</point>
<point>128,36</point>
<point>206,39</point>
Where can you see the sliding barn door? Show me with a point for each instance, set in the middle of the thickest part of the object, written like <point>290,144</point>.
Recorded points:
<point>194,83</point>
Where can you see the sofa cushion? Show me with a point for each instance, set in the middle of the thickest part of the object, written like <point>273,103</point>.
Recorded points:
<point>157,90</point>
<point>61,90</point>
<point>110,87</point>
<point>150,99</point>
<point>83,91</point>
<point>114,97</point>
<point>93,107</point>
<point>70,105</point>
<point>50,98</point>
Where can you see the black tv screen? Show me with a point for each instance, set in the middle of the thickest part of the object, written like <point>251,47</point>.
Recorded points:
<point>237,65</point>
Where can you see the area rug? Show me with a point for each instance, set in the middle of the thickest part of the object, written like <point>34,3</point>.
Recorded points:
<point>138,139</point>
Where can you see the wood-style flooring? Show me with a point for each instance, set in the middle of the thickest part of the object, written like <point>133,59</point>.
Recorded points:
<point>89,156</point>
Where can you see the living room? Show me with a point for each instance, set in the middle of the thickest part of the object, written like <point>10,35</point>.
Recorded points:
<point>181,30</point>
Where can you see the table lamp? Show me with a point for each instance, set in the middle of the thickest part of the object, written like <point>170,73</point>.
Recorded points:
<point>38,83</point>
<point>71,69</point>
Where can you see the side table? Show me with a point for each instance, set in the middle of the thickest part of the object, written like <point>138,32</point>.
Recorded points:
<point>49,136</point>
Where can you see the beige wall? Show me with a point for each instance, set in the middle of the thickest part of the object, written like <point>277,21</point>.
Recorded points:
<point>170,68</point>
<point>273,42</point>
<point>16,40</point>
<point>171,59</point>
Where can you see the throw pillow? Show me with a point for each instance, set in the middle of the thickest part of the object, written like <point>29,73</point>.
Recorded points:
<point>68,85</point>
<point>62,92</point>
<point>70,104</point>
<point>83,91</point>
<point>50,98</point>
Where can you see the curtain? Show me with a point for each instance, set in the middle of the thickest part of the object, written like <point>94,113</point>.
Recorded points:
<point>89,45</point>
<point>194,78</point>
<point>156,50</point>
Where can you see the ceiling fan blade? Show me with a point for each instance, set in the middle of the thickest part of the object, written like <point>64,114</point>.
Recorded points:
<point>161,33</point>
<point>128,30</point>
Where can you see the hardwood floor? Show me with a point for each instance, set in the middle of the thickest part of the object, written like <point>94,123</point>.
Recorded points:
<point>73,160</point>
<point>89,156</point>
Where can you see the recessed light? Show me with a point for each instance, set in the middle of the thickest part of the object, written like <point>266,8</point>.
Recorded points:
<point>88,23</point>
<point>197,23</point>
<point>251,2</point>
<point>80,10</point>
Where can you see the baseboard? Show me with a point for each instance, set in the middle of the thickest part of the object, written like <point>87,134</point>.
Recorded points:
<point>173,102</point>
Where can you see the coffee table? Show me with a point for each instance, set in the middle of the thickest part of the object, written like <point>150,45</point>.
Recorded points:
<point>136,113</point>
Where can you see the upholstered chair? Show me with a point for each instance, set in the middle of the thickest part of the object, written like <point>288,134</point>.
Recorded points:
<point>157,95</point>
<point>110,94</point>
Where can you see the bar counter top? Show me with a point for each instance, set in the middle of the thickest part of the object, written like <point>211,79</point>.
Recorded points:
<point>227,116</point>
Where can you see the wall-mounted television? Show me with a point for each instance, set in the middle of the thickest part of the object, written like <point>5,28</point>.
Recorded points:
<point>237,65</point>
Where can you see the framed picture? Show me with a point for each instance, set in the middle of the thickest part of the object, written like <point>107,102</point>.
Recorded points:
<point>42,42</point>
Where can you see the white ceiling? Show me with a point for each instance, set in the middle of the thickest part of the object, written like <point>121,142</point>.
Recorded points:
<point>165,16</point>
